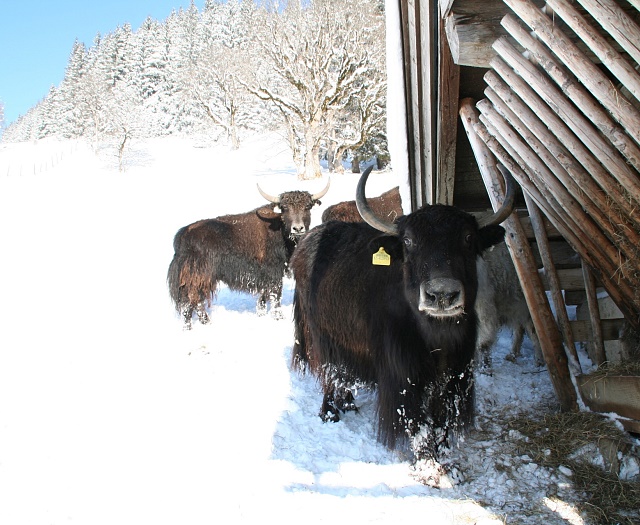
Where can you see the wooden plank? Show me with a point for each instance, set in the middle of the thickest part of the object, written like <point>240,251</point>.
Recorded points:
<point>447,128</point>
<point>610,329</point>
<point>619,394</point>
<point>630,425</point>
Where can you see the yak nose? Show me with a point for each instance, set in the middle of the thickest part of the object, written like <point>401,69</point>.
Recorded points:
<point>298,230</point>
<point>442,297</point>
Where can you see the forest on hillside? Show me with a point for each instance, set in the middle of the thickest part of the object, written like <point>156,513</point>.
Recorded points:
<point>315,69</point>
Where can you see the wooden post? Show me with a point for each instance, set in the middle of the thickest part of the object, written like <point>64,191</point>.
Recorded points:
<point>584,244</point>
<point>594,314</point>
<point>560,133</point>
<point>543,320</point>
<point>586,71</point>
<point>554,284</point>
<point>587,104</point>
<point>577,182</point>
<point>617,23</point>
<point>581,127</point>
<point>600,47</point>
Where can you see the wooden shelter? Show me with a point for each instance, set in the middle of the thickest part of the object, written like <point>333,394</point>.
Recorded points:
<point>551,91</point>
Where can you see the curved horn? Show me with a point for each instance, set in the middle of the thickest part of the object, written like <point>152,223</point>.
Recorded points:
<point>321,193</point>
<point>365,212</point>
<point>270,198</point>
<point>508,202</point>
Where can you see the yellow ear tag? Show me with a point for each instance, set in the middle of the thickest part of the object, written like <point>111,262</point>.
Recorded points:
<point>381,258</point>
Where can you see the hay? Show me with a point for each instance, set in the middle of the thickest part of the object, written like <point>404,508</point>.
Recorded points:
<point>556,441</point>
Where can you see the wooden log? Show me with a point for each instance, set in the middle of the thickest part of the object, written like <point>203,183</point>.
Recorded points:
<point>556,193</point>
<point>576,181</point>
<point>583,244</point>
<point>594,315</point>
<point>554,281</point>
<point>470,27</point>
<point>593,171</point>
<point>617,23</point>
<point>599,46</point>
<point>588,105</point>
<point>619,394</point>
<point>564,108</point>
<point>541,314</point>
<point>580,65</point>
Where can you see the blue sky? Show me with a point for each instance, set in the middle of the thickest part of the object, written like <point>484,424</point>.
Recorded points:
<point>36,38</point>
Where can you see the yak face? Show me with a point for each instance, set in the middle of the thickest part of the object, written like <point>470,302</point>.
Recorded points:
<point>439,246</point>
<point>295,212</point>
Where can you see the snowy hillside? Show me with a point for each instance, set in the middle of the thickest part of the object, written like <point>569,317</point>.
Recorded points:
<point>111,414</point>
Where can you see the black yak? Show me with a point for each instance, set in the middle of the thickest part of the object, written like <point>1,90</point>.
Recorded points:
<point>500,301</point>
<point>392,305</point>
<point>247,251</point>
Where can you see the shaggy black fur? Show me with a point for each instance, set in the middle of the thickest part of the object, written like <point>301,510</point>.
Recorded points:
<point>386,325</point>
<point>249,252</point>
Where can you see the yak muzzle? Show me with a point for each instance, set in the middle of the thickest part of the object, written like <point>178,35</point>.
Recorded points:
<point>442,297</point>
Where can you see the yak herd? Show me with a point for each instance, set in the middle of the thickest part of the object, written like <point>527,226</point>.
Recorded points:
<point>406,303</point>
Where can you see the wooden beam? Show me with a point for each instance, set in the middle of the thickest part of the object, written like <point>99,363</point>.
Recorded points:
<point>447,120</point>
<point>594,315</point>
<point>584,69</point>
<point>610,329</point>
<point>520,250</point>
<point>619,394</point>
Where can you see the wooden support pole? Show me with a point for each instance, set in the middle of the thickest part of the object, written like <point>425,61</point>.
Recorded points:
<point>555,193</point>
<point>554,284</point>
<point>617,23</point>
<point>577,182</point>
<point>543,320</point>
<point>587,105</point>
<point>600,47</point>
<point>588,245</point>
<point>586,71</point>
<point>593,171</point>
<point>594,314</point>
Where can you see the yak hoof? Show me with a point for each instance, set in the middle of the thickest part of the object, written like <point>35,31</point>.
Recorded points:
<point>329,416</point>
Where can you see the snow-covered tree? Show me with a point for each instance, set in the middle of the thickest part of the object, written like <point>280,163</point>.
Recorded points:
<point>314,60</point>
<point>314,68</point>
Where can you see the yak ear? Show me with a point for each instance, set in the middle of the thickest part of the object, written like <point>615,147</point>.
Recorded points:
<point>489,236</point>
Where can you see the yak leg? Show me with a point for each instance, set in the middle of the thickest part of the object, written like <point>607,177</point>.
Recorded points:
<point>336,400</point>
<point>261,306</point>
<point>203,317</point>
<point>187,314</point>
<point>516,343</point>
<point>275,297</point>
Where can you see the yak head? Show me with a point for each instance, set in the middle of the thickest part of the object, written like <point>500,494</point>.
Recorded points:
<point>294,208</point>
<point>438,246</point>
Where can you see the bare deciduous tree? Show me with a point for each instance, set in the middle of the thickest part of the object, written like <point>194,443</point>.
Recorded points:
<point>316,63</point>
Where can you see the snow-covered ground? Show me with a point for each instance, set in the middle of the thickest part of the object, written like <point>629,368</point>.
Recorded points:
<point>111,414</point>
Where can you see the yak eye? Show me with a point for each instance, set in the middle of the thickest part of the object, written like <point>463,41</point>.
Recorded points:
<point>407,242</point>
<point>468,238</point>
